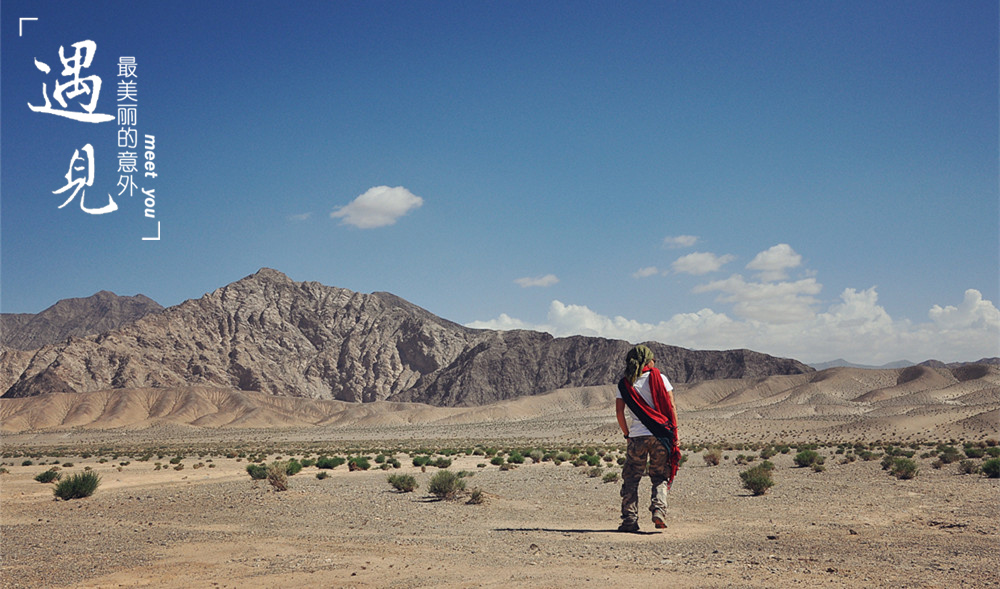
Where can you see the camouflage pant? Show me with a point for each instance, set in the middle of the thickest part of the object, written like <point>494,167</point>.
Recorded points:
<point>641,449</point>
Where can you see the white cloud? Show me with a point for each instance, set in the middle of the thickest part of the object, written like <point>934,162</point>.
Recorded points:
<point>856,328</point>
<point>773,263</point>
<point>679,241</point>
<point>299,217</point>
<point>503,323</point>
<point>772,302</point>
<point>543,281</point>
<point>378,207</point>
<point>648,271</point>
<point>700,263</point>
<point>972,312</point>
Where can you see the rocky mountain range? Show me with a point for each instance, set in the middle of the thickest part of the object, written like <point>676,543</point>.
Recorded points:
<point>97,313</point>
<point>269,334</point>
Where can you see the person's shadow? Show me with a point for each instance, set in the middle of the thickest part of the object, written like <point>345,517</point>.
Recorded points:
<point>576,531</point>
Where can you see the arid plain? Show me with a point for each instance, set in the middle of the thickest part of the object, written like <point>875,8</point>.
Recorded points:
<point>541,524</point>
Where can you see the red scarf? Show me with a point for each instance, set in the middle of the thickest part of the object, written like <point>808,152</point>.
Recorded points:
<point>658,418</point>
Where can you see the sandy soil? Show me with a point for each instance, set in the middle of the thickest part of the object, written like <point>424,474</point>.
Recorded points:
<point>541,525</point>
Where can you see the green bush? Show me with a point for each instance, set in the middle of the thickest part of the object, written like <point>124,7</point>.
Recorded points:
<point>993,451</point>
<point>257,472</point>
<point>974,452</point>
<point>497,460</point>
<point>610,477</point>
<point>48,476</point>
<point>758,479</point>
<point>292,467</point>
<point>515,457</point>
<point>595,471</point>
<point>806,458</point>
<point>903,468</point>
<point>322,475</point>
<point>446,484</point>
<point>421,460</point>
<point>991,468</point>
<point>327,462</point>
<point>592,460</point>
<point>948,454</point>
<point>403,483</point>
<point>358,463</point>
<point>77,486</point>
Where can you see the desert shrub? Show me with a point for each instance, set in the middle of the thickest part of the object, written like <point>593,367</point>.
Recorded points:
<point>277,475</point>
<point>508,466</point>
<point>948,454</point>
<point>867,455</point>
<point>77,486</point>
<point>322,475</point>
<point>403,483</point>
<point>535,455</point>
<point>595,472</point>
<point>176,459</point>
<point>47,476</point>
<point>421,460</point>
<point>293,467</point>
<point>563,456</point>
<point>515,457</point>
<point>592,460</point>
<point>903,468</point>
<point>358,463</point>
<point>610,477</point>
<point>806,458</point>
<point>767,452</point>
<point>758,479</point>
<point>307,462</point>
<point>446,484</point>
<point>27,463</point>
<point>441,462</point>
<point>993,451</point>
<point>968,467</point>
<point>991,468</point>
<point>497,460</point>
<point>257,472</point>
<point>975,452</point>
<point>68,465</point>
<point>476,497</point>
<point>329,462</point>
<point>712,456</point>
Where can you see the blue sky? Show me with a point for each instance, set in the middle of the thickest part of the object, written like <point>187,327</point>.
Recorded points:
<point>808,179</point>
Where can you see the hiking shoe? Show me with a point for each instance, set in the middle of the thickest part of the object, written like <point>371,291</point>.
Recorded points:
<point>629,527</point>
<point>659,520</point>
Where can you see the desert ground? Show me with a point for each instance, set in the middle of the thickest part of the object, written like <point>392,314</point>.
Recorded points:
<point>540,524</point>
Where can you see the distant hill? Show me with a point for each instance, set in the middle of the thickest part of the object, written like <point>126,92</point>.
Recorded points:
<point>97,313</point>
<point>268,334</point>
<point>841,363</point>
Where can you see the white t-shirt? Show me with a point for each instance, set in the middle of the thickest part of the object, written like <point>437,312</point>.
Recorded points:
<point>636,428</point>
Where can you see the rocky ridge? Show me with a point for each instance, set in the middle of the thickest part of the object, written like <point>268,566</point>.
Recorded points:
<point>77,317</point>
<point>269,334</point>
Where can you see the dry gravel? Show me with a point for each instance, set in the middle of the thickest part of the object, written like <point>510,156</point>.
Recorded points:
<point>542,525</point>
